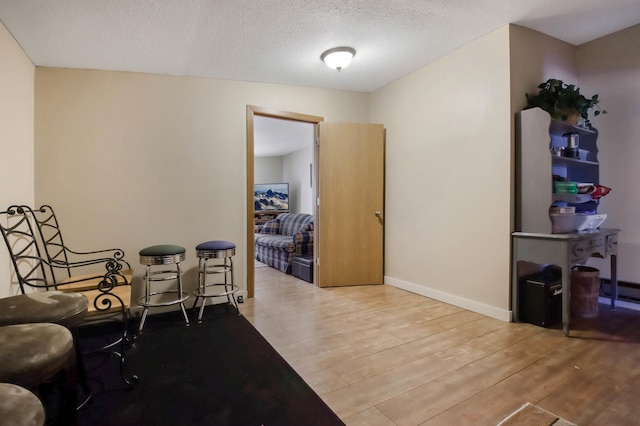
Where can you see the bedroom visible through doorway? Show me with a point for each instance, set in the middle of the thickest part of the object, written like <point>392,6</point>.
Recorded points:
<point>280,150</point>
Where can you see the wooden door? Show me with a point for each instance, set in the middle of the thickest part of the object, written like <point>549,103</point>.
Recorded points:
<point>349,214</point>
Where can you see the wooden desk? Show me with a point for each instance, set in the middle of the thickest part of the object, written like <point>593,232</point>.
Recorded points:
<point>565,251</point>
<point>263,216</point>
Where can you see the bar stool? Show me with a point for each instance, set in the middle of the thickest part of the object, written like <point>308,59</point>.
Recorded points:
<point>53,306</point>
<point>20,407</point>
<point>164,254</point>
<point>35,356</point>
<point>207,251</point>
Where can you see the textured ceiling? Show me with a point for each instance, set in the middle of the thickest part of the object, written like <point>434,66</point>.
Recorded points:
<point>281,41</point>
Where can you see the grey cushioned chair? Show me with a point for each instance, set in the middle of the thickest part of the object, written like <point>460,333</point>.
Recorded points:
<point>19,406</point>
<point>66,309</point>
<point>36,354</point>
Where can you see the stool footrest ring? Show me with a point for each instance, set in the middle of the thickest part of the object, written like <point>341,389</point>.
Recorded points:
<point>142,302</point>
<point>200,292</point>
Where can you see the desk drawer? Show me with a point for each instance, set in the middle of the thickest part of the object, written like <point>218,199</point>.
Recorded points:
<point>581,250</point>
<point>612,244</point>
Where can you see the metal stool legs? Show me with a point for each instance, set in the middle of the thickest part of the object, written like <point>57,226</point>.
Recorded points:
<point>219,253</point>
<point>162,255</point>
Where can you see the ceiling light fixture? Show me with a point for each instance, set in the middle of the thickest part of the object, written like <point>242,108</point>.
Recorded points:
<point>338,57</point>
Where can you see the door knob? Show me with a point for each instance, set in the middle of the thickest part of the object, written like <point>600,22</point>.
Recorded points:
<point>378,213</point>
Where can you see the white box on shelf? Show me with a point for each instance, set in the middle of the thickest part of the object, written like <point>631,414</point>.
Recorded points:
<point>583,222</point>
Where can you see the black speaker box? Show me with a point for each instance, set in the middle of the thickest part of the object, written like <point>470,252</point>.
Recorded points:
<point>540,298</point>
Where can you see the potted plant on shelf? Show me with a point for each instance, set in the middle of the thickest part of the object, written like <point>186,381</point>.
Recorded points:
<point>564,102</point>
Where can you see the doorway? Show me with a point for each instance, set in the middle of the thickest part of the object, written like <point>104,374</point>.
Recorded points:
<point>252,113</point>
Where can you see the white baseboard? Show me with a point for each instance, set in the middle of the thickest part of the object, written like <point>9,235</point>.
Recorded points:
<point>471,305</point>
<point>481,308</point>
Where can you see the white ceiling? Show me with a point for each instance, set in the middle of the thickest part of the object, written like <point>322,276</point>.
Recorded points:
<point>281,41</point>
<point>277,137</point>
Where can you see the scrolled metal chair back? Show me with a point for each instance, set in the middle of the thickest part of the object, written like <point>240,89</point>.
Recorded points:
<point>51,238</point>
<point>62,258</point>
<point>30,267</point>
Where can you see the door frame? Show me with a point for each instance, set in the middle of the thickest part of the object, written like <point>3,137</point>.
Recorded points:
<point>252,111</point>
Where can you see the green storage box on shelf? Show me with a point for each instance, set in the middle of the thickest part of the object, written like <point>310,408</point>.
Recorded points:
<point>566,187</point>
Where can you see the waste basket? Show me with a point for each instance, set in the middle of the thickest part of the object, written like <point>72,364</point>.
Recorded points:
<point>585,289</point>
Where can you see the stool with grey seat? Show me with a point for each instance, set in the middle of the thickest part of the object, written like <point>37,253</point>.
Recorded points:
<point>19,406</point>
<point>162,255</point>
<point>34,355</point>
<point>66,309</point>
<point>223,251</point>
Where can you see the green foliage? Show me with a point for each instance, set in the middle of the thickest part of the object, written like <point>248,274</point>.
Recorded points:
<point>562,100</point>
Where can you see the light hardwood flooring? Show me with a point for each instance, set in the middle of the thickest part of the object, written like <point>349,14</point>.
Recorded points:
<point>378,355</point>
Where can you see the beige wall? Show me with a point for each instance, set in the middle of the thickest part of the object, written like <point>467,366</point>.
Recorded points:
<point>16,137</point>
<point>297,170</point>
<point>610,67</point>
<point>448,182</point>
<point>267,169</point>
<point>130,160</point>
<point>535,58</point>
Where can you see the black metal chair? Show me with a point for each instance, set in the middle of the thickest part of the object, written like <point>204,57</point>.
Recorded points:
<point>108,290</point>
<point>69,265</point>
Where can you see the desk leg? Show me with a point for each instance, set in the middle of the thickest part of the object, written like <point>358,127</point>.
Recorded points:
<point>515,314</point>
<point>566,297</point>
<point>614,280</point>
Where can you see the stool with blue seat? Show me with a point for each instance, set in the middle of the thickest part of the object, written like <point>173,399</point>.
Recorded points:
<point>215,258</point>
<point>162,255</point>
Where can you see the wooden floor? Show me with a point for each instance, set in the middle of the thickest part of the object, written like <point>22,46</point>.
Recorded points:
<point>379,355</point>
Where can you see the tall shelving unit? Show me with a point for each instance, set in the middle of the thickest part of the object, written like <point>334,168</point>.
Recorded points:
<point>533,240</point>
<point>536,166</point>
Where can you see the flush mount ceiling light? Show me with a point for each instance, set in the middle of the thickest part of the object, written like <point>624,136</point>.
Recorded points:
<point>338,57</point>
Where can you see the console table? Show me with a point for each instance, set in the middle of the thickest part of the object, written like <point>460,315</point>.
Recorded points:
<point>565,251</point>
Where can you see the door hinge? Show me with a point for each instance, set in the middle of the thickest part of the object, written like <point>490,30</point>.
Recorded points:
<point>318,202</point>
<point>318,141</point>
